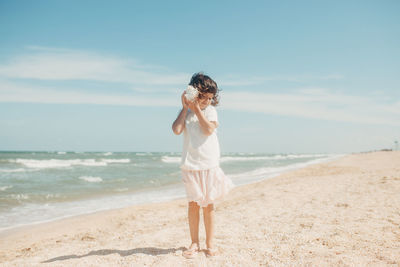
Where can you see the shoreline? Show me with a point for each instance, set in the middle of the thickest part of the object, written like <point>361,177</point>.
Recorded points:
<point>169,190</point>
<point>341,212</point>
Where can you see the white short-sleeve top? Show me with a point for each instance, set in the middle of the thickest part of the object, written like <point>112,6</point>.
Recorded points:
<point>200,152</point>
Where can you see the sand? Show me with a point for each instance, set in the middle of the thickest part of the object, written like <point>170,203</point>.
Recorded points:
<point>341,213</point>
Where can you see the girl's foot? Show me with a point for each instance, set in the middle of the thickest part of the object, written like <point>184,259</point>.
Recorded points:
<point>210,252</point>
<point>192,251</point>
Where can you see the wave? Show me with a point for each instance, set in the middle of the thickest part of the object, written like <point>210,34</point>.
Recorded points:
<point>116,160</point>
<point>4,188</point>
<point>34,213</point>
<point>52,196</point>
<point>108,154</point>
<point>275,157</point>
<point>121,189</point>
<point>91,179</point>
<point>63,163</point>
<point>18,197</point>
<point>225,159</point>
<point>168,159</point>
<point>13,170</point>
<point>58,163</point>
<point>23,198</point>
<point>300,156</point>
<point>267,172</point>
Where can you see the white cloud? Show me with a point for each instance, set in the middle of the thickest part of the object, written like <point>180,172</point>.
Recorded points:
<point>47,63</point>
<point>64,64</point>
<point>254,80</point>
<point>318,105</point>
<point>315,104</point>
<point>10,92</point>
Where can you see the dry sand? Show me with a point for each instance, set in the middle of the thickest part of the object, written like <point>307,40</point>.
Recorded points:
<point>342,213</point>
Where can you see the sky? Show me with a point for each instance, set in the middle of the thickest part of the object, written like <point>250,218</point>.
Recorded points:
<point>295,76</point>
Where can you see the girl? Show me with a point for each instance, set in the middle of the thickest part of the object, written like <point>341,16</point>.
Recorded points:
<point>204,180</point>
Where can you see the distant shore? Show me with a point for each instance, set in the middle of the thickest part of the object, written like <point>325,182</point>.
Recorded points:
<point>343,212</point>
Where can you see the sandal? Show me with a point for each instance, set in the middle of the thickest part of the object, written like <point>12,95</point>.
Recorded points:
<point>191,252</point>
<point>210,252</point>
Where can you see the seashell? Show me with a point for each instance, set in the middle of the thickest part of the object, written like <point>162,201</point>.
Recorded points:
<point>191,93</point>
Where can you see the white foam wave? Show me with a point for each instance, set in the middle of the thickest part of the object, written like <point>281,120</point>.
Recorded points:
<point>34,213</point>
<point>168,159</point>
<point>63,163</point>
<point>19,196</point>
<point>121,189</point>
<point>57,163</point>
<point>61,152</point>
<point>116,160</point>
<point>91,179</point>
<point>267,172</point>
<point>13,170</point>
<point>108,154</point>
<point>300,156</point>
<point>275,157</point>
<point>225,159</point>
<point>51,196</point>
<point>4,188</point>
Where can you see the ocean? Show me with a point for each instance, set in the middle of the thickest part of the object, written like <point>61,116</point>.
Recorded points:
<point>37,187</point>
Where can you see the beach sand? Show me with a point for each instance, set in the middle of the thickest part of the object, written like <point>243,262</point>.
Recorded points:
<point>341,213</point>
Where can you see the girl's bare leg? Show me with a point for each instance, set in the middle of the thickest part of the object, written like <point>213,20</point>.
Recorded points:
<point>208,214</point>
<point>194,219</point>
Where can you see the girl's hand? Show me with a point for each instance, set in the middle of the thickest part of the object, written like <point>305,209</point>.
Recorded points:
<point>185,102</point>
<point>193,105</point>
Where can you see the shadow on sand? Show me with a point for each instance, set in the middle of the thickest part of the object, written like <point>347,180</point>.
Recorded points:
<point>123,253</point>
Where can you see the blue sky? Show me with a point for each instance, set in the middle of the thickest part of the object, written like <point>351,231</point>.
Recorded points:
<point>296,76</point>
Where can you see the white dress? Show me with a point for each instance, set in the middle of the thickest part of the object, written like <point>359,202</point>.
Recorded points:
<point>204,180</point>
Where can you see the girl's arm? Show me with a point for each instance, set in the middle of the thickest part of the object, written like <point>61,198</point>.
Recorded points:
<point>206,126</point>
<point>179,124</point>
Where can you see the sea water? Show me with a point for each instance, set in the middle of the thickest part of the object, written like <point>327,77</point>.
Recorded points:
<point>43,186</point>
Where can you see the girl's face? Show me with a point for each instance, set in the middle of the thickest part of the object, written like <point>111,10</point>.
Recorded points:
<point>205,99</point>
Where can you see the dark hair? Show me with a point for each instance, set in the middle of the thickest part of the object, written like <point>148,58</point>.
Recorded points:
<point>204,84</point>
